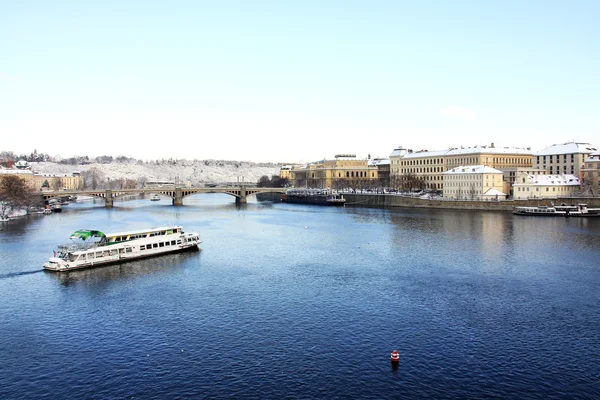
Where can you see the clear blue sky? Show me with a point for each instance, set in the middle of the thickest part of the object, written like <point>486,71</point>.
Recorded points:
<point>295,80</point>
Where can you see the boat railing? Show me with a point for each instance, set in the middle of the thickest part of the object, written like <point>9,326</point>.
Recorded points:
<point>76,246</point>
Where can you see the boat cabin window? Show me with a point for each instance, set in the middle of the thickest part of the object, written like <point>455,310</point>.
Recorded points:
<point>179,241</point>
<point>143,247</point>
<point>161,244</point>
<point>172,243</point>
<point>155,245</point>
<point>175,230</point>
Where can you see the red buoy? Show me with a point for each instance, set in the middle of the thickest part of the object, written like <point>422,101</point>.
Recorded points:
<point>395,357</point>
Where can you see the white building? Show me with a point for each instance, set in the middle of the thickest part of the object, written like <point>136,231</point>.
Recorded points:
<point>473,182</point>
<point>544,186</point>
<point>566,158</point>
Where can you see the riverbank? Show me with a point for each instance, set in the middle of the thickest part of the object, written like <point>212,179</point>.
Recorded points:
<point>389,200</point>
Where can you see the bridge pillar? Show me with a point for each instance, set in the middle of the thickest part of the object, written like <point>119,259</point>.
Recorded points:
<point>108,200</point>
<point>242,198</point>
<point>178,199</point>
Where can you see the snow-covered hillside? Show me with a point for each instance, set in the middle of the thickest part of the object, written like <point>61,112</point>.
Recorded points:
<point>197,172</point>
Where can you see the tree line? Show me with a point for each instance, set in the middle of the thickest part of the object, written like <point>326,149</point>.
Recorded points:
<point>275,181</point>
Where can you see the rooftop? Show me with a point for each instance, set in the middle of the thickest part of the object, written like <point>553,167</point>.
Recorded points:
<point>473,169</point>
<point>568,148</point>
<point>552,180</point>
<point>489,150</point>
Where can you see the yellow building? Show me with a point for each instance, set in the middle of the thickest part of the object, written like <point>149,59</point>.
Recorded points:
<point>566,158</point>
<point>429,166</point>
<point>426,165</point>
<point>24,174</point>
<point>544,186</point>
<point>474,182</point>
<point>491,156</point>
<point>344,171</point>
<point>284,172</point>
<point>58,182</point>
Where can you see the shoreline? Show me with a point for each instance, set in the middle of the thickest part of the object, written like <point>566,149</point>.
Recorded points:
<point>391,201</point>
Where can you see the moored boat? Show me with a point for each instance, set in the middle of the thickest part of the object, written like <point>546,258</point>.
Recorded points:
<point>154,197</point>
<point>580,210</point>
<point>90,248</point>
<point>313,196</point>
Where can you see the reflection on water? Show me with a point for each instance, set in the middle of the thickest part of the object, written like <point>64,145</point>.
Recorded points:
<point>126,270</point>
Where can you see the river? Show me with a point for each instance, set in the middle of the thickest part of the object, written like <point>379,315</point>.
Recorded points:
<point>297,301</point>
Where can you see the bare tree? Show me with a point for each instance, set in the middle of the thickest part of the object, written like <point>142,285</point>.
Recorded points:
<point>57,184</point>
<point>15,193</point>
<point>93,178</point>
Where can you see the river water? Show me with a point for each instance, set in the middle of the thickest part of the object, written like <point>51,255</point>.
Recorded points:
<point>297,301</point>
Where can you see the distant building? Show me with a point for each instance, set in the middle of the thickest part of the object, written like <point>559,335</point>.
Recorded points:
<point>344,171</point>
<point>24,174</point>
<point>383,170</point>
<point>22,164</point>
<point>395,158</point>
<point>566,158</point>
<point>545,186</point>
<point>431,165</point>
<point>474,182</point>
<point>426,165</point>
<point>284,172</point>
<point>511,174</point>
<point>57,181</point>
<point>590,173</point>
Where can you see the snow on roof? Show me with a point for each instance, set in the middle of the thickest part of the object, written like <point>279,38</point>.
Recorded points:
<point>551,180</point>
<point>425,153</point>
<point>473,169</point>
<point>16,171</point>
<point>494,192</point>
<point>489,150</point>
<point>379,161</point>
<point>595,156</point>
<point>469,150</point>
<point>568,148</point>
<point>399,152</point>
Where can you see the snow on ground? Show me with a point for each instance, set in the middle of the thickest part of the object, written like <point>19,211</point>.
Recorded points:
<point>196,171</point>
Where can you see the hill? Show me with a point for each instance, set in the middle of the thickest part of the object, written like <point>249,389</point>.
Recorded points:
<point>196,172</point>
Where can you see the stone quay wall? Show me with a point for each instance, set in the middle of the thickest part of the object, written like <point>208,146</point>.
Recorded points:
<point>387,200</point>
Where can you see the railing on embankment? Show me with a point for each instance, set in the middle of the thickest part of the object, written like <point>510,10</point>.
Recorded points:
<point>388,200</point>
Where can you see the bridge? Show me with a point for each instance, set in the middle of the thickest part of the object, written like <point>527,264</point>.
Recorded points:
<point>175,193</point>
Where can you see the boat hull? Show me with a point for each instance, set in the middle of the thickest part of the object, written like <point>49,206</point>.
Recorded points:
<point>111,261</point>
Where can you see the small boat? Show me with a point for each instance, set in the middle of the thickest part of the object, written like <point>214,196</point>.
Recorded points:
<point>395,356</point>
<point>90,248</point>
<point>56,207</point>
<point>154,197</point>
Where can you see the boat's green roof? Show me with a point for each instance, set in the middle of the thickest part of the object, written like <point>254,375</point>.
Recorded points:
<point>84,234</point>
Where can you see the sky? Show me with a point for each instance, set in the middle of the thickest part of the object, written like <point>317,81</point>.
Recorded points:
<point>295,81</point>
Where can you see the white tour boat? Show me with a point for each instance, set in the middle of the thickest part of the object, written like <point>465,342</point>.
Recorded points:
<point>90,248</point>
<point>580,210</point>
<point>154,197</point>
